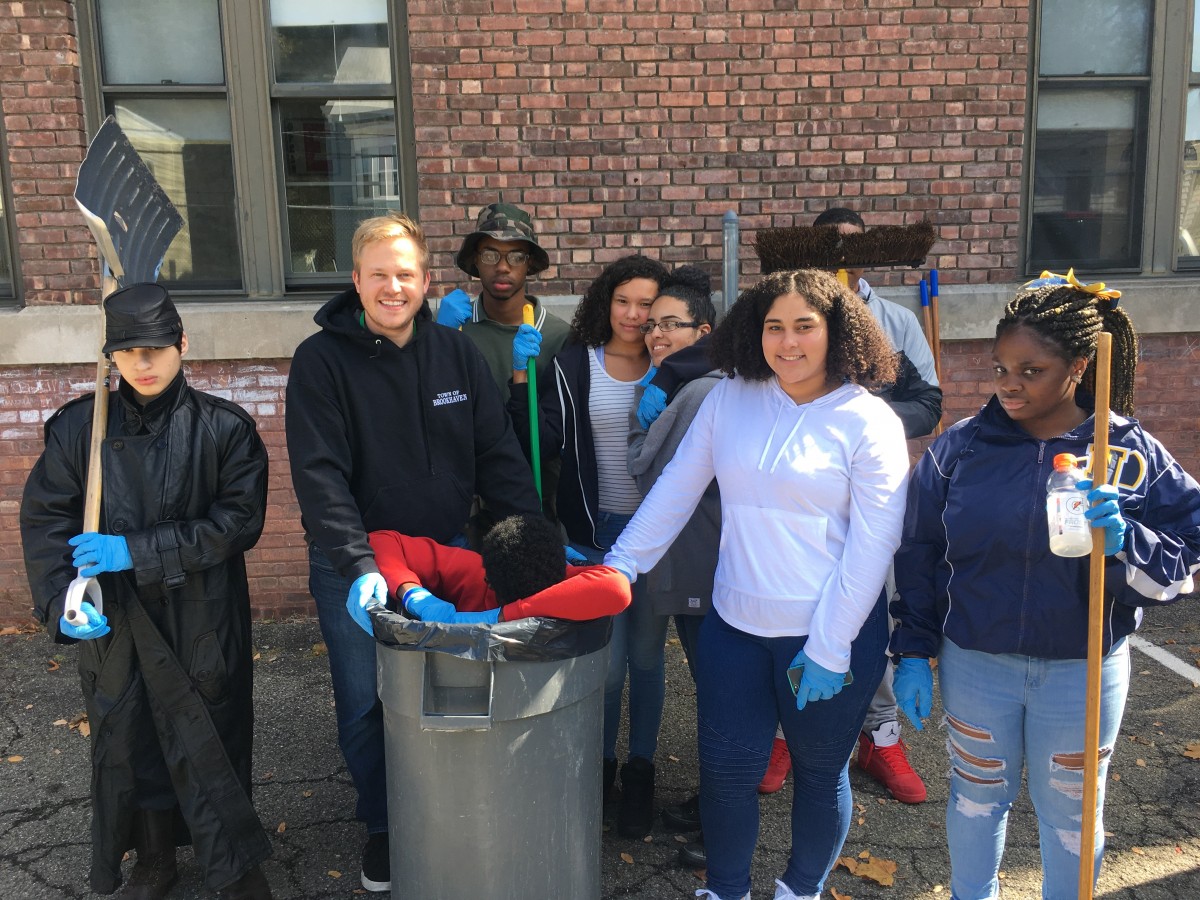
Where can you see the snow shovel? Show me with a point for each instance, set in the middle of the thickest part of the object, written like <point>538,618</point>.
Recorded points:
<point>1095,640</point>
<point>133,223</point>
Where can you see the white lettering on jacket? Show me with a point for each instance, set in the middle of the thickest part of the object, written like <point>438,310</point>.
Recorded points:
<point>447,397</point>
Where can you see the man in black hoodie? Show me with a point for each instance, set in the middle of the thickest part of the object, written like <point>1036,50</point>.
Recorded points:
<point>392,424</point>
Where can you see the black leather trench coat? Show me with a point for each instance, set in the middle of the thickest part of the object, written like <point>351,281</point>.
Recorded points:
<point>169,691</point>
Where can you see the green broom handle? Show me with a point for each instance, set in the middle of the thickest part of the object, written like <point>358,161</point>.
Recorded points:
<point>535,449</point>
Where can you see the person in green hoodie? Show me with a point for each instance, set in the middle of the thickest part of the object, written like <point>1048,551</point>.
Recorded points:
<point>393,423</point>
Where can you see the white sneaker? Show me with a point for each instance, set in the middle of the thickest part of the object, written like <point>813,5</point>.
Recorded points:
<point>709,895</point>
<point>783,892</point>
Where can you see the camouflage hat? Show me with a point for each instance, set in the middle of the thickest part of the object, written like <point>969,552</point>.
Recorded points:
<point>504,222</point>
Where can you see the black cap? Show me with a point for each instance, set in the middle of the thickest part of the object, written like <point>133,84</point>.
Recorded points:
<point>141,315</point>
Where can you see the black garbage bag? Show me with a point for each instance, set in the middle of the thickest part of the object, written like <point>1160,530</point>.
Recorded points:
<point>523,640</point>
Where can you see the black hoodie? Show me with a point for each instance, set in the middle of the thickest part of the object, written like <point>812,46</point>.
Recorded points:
<point>393,438</point>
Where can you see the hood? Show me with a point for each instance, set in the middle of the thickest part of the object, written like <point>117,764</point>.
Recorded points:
<point>341,315</point>
<point>787,410</point>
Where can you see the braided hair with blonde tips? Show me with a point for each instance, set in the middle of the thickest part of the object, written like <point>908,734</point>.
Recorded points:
<point>1069,320</point>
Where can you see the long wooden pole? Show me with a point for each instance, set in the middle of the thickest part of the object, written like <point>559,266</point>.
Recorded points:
<point>1095,643</point>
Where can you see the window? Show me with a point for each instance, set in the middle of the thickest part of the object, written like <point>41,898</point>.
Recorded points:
<point>272,127</point>
<point>7,286</point>
<point>1114,180</point>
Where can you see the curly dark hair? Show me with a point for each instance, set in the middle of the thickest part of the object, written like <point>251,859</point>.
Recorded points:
<point>1068,320</point>
<point>693,286</point>
<point>523,555</point>
<point>859,350</point>
<point>591,325</point>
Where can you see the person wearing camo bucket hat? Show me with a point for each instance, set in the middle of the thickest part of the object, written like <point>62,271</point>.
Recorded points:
<point>502,252</point>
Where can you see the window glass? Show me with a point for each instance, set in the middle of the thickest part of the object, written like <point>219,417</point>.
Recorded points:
<point>1083,37</point>
<point>339,167</point>
<point>1087,179</point>
<point>331,43</point>
<point>164,42</point>
<point>186,144</point>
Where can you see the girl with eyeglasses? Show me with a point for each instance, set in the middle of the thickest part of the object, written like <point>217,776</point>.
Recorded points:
<point>584,419</point>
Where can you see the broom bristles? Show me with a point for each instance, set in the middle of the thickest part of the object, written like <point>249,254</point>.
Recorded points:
<point>824,247</point>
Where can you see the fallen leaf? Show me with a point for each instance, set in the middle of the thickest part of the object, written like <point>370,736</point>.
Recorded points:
<point>334,873</point>
<point>1001,874</point>
<point>672,757</point>
<point>306,794</point>
<point>1140,762</point>
<point>59,722</point>
<point>1116,776</point>
<point>937,888</point>
<point>625,857</point>
<point>282,828</point>
<point>648,839</point>
<point>256,656</point>
<point>700,875</point>
<point>861,821</point>
<point>1170,641</point>
<point>680,839</point>
<point>29,706</point>
<point>81,724</point>
<point>1192,751</point>
<point>267,776</point>
<point>881,871</point>
<point>16,759</point>
<point>866,854</point>
<point>8,629</point>
<point>1138,850</point>
<point>838,895</point>
<point>53,667</point>
<point>319,649</point>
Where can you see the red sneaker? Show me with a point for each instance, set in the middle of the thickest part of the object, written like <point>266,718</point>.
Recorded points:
<point>891,768</point>
<point>777,768</point>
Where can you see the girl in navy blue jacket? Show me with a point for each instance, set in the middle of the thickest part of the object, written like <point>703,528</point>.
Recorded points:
<point>979,588</point>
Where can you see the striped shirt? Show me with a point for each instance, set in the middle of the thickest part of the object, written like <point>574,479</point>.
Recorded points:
<point>609,404</point>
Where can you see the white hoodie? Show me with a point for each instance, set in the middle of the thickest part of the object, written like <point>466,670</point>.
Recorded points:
<point>812,503</point>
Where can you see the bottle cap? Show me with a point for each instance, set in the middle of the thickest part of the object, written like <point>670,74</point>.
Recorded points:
<point>1065,461</point>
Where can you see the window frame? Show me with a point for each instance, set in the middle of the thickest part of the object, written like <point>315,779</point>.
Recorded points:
<point>10,295</point>
<point>257,164</point>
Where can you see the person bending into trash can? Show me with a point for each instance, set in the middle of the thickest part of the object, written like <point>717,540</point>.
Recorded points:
<point>166,663</point>
<point>393,422</point>
<point>522,572</point>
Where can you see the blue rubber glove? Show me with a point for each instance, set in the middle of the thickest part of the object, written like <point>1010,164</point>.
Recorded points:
<point>421,604</point>
<point>487,617</point>
<point>651,406</point>
<point>574,557</point>
<point>96,553</point>
<point>367,591</point>
<point>648,377</point>
<point>527,343</point>
<point>1106,515</point>
<point>96,626</point>
<point>913,686</point>
<point>455,309</point>
<point>817,682</point>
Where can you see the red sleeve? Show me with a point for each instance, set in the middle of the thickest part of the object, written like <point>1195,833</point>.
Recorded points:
<point>588,592</point>
<point>452,574</point>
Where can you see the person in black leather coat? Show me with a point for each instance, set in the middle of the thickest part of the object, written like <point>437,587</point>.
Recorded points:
<point>166,665</point>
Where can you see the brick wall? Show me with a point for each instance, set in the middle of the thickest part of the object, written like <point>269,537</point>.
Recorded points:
<point>278,566</point>
<point>43,123</point>
<point>628,130</point>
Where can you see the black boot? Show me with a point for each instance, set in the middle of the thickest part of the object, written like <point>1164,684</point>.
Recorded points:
<point>693,855</point>
<point>683,817</point>
<point>251,886</point>
<point>154,872</point>
<point>610,779</point>
<point>635,818</point>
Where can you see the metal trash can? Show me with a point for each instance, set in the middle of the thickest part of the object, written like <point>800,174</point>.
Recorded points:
<point>493,739</point>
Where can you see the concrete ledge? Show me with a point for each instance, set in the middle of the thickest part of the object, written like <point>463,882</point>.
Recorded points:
<point>264,329</point>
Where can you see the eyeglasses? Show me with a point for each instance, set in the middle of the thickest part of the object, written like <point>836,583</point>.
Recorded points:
<point>492,257</point>
<point>667,326</point>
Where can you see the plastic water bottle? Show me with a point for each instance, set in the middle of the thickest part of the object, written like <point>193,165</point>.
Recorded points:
<point>1070,532</point>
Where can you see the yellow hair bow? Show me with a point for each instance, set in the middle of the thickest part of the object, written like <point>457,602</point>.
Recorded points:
<point>1096,289</point>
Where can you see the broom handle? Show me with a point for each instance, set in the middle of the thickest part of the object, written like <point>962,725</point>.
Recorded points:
<point>91,497</point>
<point>935,343</point>
<point>1095,643</point>
<point>927,314</point>
<point>535,449</point>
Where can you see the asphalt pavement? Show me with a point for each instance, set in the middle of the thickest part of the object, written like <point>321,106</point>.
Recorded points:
<point>305,800</point>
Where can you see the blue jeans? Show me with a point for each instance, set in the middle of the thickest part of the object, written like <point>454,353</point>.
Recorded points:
<point>1006,712</point>
<point>638,647</point>
<point>743,691</point>
<point>356,699</point>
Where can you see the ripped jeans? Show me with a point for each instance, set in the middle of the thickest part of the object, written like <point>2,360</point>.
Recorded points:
<point>1005,712</point>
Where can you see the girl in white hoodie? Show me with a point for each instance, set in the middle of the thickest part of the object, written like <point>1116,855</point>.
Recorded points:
<point>812,472</point>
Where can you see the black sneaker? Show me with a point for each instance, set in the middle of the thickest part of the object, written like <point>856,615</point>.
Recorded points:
<point>693,855</point>
<point>635,818</point>
<point>377,864</point>
<point>684,816</point>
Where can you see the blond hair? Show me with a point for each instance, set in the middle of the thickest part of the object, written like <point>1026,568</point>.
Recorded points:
<point>388,228</point>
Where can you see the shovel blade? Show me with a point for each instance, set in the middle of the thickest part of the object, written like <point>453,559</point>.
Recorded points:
<point>127,211</point>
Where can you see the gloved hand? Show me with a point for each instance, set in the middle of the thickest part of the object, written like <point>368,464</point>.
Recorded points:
<point>527,343</point>
<point>913,687</point>
<point>367,591</point>
<point>423,605</point>
<point>455,309</point>
<point>574,557</point>
<point>1106,515</point>
<point>100,553</point>
<point>648,377</point>
<point>651,406</point>
<point>817,682</point>
<point>95,626</point>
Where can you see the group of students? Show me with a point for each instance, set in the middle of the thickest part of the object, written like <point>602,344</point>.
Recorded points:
<point>749,477</point>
